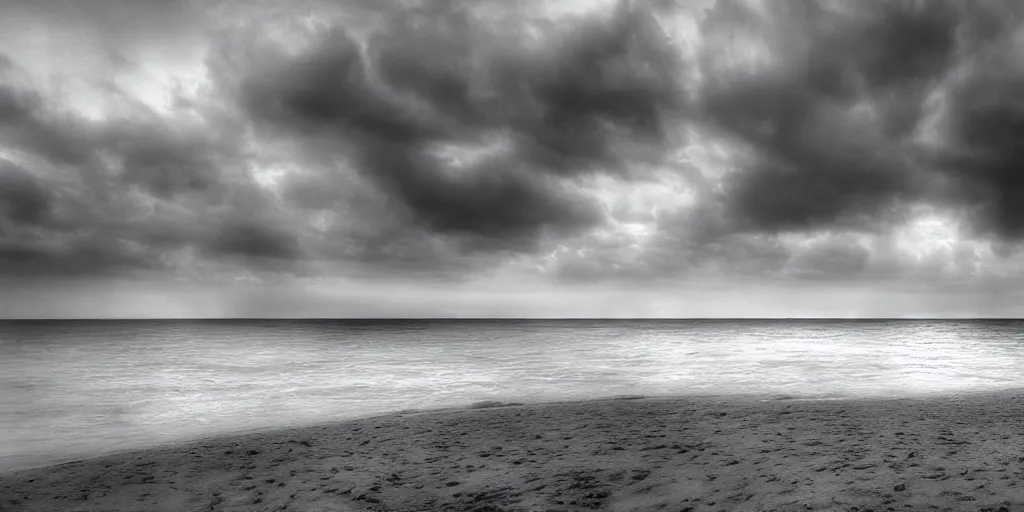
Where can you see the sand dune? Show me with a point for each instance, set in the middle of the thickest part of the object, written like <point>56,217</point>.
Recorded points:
<point>960,453</point>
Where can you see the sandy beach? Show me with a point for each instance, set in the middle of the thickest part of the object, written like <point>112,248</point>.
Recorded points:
<point>692,454</point>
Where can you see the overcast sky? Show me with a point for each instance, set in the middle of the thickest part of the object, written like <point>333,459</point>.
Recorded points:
<point>555,158</point>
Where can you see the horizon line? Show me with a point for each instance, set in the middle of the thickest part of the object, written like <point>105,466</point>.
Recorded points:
<point>421,319</point>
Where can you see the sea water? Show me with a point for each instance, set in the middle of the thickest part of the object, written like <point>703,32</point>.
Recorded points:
<point>74,389</point>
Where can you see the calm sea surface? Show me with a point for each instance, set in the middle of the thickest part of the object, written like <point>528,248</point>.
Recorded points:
<point>70,389</point>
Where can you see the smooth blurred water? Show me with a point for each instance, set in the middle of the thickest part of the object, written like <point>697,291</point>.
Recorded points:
<point>70,389</point>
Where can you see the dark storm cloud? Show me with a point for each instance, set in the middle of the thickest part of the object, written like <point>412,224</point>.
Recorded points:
<point>596,95</point>
<point>42,233</point>
<point>443,136</point>
<point>827,120</point>
<point>828,123</point>
<point>814,164</point>
<point>501,200</point>
<point>78,257</point>
<point>249,238</point>
<point>983,153</point>
<point>165,162</point>
<point>80,197</point>
<point>23,199</point>
<point>25,122</point>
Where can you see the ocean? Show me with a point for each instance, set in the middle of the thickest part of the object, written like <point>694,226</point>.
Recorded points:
<point>74,389</point>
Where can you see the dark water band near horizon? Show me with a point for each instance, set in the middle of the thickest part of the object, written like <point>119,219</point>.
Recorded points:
<point>75,389</point>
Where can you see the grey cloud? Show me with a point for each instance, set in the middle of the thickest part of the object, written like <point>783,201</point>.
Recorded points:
<point>23,199</point>
<point>87,254</point>
<point>892,45</point>
<point>434,76</point>
<point>163,162</point>
<point>16,104</point>
<point>810,172</point>
<point>693,241</point>
<point>983,154</point>
<point>831,259</point>
<point>815,164</point>
<point>250,238</point>
<point>26,123</point>
<point>501,200</point>
<point>118,23</point>
<point>81,197</point>
<point>363,118</point>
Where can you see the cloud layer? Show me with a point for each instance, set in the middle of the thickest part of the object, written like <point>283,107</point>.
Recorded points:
<point>620,140</point>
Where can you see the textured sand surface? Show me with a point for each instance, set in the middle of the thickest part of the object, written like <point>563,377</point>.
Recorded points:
<point>963,453</point>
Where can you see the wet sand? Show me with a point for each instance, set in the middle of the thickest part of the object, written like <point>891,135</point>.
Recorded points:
<point>685,454</point>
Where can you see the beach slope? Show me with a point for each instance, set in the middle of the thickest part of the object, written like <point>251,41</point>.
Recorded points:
<point>959,453</point>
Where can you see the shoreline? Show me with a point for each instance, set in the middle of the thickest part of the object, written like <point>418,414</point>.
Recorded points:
<point>399,412</point>
<point>721,452</point>
<point>484,404</point>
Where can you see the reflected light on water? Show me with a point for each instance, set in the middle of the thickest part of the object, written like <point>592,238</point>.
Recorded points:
<point>80,388</point>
